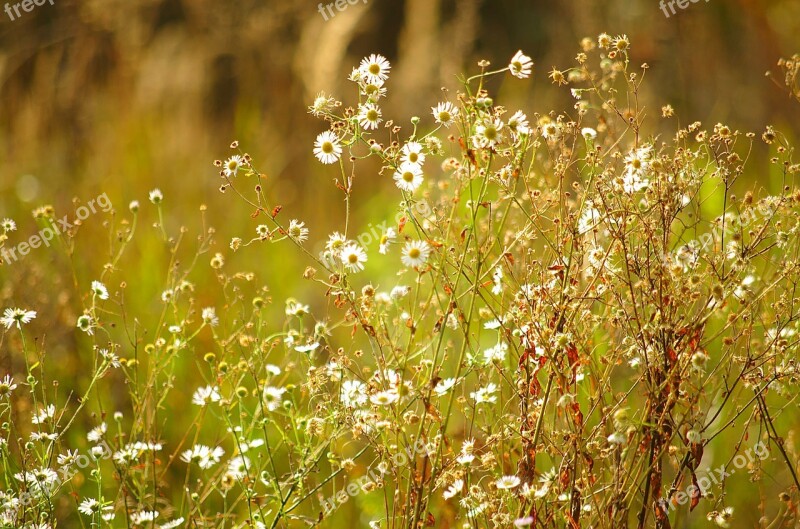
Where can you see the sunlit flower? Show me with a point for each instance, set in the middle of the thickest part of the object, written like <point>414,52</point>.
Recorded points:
<point>444,386</point>
<point>518,123</point>
<point>445,113</point>
<point>369,116</point>
<point>485,394</point>
<point>415,253</point>
<point>354,393</point>
<point>521,65</point>
<point>386,239</point>
<point>209,316</point>
<point>372,88</point>
<point>8,225</point>
<point>142,517</point>
<point>17,317</point>
<point>408,177</point>
<point>44,415</point>
<point>298,231</point>
<point>507,482</point>
<point>232,165</point>
<point>99,290</point>
<point>412,153</point>
<point>384,398</point>
<point>86,324</point>
<point>375,68</point>
<point>206,395</point>
<point>488,134</point>
<point>588,133</point>
<point>327,148</point>
<point>156,196</point>
<point>273,397</point>
<point>97,433</point>
<point>203,456</point>
<point>7,385</point>
<point>353,257</point>
<point>238,466</point>
<point>453,489</point>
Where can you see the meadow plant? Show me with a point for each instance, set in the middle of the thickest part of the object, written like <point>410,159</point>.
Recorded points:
<point>583,319</point>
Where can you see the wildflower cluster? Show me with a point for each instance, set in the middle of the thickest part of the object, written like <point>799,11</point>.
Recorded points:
<point>545,344</point>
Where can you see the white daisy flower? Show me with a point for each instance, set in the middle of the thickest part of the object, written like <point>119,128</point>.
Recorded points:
<point>374,68</point>
<point>488,134</point>
<point>444,386</point>
<point>454,489</point>
<point>722,518</point>
<point>17,317</point>
<point>507,482</point>
<point>384,398</point>
<point>408,177</point>
<point>588,133</point>
<point>44,415</point>
<point>237,467</point>
<point>616,438</point>
<point>415,253</point>
<point>8,225</point>
<point>327,148</point>
<point>637,164</point>
<point>354,393</point>
<point>373,89</point>
<point>90,506</point>
<point>7,385</point>
<point>336,241</point>
<point>97,433</point>
<point>142,517</point>
<point>99,290</point>
<point>353,257</point>
<point>496,353</point>
<point>399,292</point>
<point>209,316</point>
<point>412,153</point>
<point>262,230</point>
<point>295,308</point>
<point>232,165</point>
<point>521,65</point>
<point>172,524</point>
<point>369,116</point>
<point>86,324</point>
<point>497,280</point>
<point>298,231</point>
<point>445,113</point>
<point>205,396</point>
<point>518,123</point>
<point>273,397</point>
<point>485,394</point>
<point>551,130</point>
<point>204,456</point>
<point>156,196</point>
<point>387,239</point>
